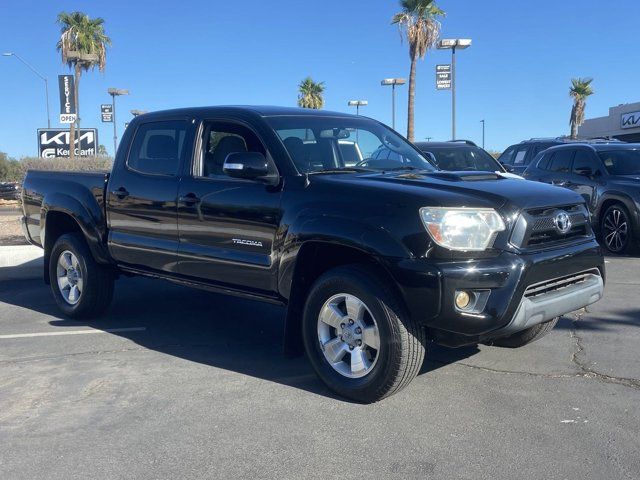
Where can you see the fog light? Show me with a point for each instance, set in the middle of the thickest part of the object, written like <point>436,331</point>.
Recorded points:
<point>462,299</point>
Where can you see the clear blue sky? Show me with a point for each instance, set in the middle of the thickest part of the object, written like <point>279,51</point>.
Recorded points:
<point>170,54</point>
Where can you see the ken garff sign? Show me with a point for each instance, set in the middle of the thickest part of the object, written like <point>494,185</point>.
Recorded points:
<point>630,120</point>
<point>67,99</point>
<point>54,142</point>
<point>106,112</point>
<point>443,77</point>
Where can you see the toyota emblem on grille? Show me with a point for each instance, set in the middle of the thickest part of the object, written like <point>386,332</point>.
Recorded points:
<point>562,222</point>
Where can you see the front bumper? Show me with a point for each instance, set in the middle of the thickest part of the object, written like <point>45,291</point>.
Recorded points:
<point>429,287</point>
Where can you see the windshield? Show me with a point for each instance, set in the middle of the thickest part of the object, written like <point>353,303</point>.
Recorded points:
<point>322,144</point>
<point>621,162</point>
<point>463,158</point>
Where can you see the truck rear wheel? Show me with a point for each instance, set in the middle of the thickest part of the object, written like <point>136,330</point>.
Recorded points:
<point>81,287</point>
<point>357,336</point>
<point>524,337</point>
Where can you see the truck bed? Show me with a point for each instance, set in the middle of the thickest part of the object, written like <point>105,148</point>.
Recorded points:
<point>42,188</point>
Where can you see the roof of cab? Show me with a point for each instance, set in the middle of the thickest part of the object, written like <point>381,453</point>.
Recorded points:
<point>260,110</point>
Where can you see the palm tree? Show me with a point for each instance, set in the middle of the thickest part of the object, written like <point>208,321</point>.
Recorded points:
<point>418,21</point>
<point>580,90</point>
<point>83,45</point>
<point>310,95</point>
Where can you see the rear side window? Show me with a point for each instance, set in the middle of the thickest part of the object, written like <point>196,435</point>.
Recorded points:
<point>158,147</point>
<point>518,158</point>
<point>583,160</point>
<point>561,161</point>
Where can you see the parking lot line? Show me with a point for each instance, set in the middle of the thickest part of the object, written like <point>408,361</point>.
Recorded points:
<point>72,332</point>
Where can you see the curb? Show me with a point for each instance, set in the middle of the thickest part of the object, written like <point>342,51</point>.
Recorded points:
<point>20,262</point>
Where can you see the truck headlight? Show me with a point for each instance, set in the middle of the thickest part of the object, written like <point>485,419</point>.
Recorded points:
<point>466,229</point>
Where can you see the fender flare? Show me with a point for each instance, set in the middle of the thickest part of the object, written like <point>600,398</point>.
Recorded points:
<point>87,215</point>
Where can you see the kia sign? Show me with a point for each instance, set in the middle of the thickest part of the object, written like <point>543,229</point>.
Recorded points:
<point>630,120</point>
<point>54,142</point>
<point>67,99</point>
<point>443,77</point>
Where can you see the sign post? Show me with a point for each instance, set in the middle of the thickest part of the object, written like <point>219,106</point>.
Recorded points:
<point>106,111</point>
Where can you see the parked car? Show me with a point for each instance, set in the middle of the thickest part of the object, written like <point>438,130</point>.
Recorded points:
<point>607,175</point>
<point>461,155</point>
<point>369,262</point>
<point>9,191</point>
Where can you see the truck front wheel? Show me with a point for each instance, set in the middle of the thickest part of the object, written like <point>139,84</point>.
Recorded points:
<point>357,336</point>
<point>81,287</point>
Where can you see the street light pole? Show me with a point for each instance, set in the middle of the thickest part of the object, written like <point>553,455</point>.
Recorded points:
<point>42,77</point>
<point>453,44</point>
<point>482,121</point>
<point>393,82</point>
<point>358,104</point>
<point>115,92</point>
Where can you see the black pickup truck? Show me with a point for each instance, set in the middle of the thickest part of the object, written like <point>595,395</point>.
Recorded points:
<point>371,257</point>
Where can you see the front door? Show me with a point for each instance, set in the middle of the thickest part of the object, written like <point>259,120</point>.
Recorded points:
<point>228,227</point>
<point>142,194</point>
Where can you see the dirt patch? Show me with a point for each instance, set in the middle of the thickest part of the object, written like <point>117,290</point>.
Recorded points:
<point>10,229</point>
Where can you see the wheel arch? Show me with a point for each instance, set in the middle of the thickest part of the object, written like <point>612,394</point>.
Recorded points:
<point>313,259</point>
<point>62,214</point>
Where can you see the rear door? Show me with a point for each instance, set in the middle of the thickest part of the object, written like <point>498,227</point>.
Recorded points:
<point>581,181</point>
<point>228,226</point>
<point>142,193</point>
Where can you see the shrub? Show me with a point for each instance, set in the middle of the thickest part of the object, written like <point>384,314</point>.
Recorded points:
<point>15,170</point>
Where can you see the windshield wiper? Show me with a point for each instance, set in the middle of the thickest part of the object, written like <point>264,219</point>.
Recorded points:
<point>343,170</point>
<point>404,167</point>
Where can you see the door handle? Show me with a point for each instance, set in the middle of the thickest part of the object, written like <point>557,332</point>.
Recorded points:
<point>189,199</point>
<point>120,193</point>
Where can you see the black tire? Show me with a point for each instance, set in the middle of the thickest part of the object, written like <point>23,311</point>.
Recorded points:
<point>98,280</point>
<point>525,337</point>
<point>401,339</point>
<point>616,230</point>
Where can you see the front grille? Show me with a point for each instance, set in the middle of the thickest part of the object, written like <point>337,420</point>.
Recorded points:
<point>536,228</point>
<point>556,284</point>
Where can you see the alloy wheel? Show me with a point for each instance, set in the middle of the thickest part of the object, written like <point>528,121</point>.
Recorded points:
<point>615,230</point>
<point>69,277</point>
<point>348,335</point>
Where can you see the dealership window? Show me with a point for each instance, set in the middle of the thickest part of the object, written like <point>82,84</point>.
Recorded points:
<point>158,147</point>
<point>561,161</point>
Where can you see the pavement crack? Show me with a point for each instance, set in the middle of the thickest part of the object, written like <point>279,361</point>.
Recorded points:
<point>578,359</point>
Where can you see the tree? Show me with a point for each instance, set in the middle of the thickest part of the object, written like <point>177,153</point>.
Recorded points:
<point>83,45</point>
<point>579,91</point>
<point>310,95</point>
<point>418,22</point>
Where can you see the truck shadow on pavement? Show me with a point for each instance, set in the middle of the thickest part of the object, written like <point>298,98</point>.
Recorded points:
<point>224,332</point>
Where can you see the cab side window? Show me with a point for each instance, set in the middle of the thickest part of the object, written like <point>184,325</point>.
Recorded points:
<point>221,140</point>
<point>158,147</point>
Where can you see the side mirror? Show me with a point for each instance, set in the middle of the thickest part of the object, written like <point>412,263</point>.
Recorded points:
<point>247,165</point>
<point>585,171</point>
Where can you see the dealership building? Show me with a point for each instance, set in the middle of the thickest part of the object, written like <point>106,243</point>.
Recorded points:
<point>623,123</point>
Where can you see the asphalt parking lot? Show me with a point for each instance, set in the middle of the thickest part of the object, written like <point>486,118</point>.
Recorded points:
<point>176,383</point>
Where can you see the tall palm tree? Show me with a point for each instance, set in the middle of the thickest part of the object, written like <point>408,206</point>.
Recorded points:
<point>579,91</point>
<point>310,95</point>
<point>83,45</point>
<point>418,21</point>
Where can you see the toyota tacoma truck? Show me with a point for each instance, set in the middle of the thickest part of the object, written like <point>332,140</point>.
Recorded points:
<point>372,257</point>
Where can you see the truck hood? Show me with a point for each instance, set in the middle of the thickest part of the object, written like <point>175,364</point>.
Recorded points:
<point>477,189</point>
